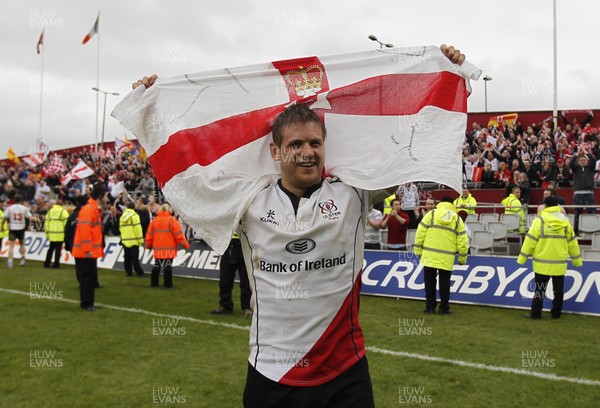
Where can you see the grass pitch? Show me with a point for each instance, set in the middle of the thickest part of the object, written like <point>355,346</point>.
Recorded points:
<point>162,347</point>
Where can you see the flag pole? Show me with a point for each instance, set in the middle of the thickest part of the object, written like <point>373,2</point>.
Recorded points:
<point>41,90</point>
<point>97,81</point>
<point>555,69</point>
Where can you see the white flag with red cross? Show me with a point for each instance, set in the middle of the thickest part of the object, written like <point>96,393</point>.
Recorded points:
<point>80,171</point>
<point>392,116</point>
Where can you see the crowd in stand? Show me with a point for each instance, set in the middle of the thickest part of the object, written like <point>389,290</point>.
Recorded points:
<point>126,178</point>
<point>531,155</point>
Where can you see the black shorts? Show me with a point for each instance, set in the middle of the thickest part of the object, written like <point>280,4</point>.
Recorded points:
<point>13,235</point>
<point>352,388</point>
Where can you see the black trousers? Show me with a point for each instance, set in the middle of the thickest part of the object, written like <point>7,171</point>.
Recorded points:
<point>352,388</point>
<point>369,245</point>
<point>414,220</point>
<point>231,261</point>
<point>541,283</point>
<point>430,282</point>
<point>86,270</point>
<point>132,260</point>
<point>54,248</point>
<point>166,265</point>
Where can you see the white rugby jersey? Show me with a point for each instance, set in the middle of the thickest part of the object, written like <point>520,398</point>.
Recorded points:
<point>17,215</point>
<point>304,270</point>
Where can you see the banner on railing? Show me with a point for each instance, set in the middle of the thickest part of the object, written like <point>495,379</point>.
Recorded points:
<point>483,280</point>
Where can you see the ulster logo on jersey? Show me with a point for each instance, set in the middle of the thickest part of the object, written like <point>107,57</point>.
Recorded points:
<point>301,246</point>
<point>329,210</point>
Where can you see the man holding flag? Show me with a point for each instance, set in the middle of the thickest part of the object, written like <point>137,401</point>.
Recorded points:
<point>306,231</point>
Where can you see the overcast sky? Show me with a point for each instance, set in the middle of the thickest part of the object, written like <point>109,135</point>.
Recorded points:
<point>511,41</point>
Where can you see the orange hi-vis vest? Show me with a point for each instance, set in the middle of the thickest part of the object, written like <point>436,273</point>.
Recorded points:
<point>164,233</point>
<point>88,235</point>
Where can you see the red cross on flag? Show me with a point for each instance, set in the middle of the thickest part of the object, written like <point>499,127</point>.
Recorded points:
<point>80,171</point>
<point>392,116</point>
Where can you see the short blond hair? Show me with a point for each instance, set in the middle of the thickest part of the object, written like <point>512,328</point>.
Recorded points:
<point>167,208</point>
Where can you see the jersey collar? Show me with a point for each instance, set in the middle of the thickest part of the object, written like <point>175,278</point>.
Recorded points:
<point>294,198</point>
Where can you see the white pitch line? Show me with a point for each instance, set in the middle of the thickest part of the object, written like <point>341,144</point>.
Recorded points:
<point>141,311</point>
<point>373,349</point>
<point>461,363</point>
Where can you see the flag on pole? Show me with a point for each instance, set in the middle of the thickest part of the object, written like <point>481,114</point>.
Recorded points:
<point>56,165</point>
<point>12,156</point>
<point>80,171</point>
<point>392,116</point>
<point>34,160</point>
<point>40,42</point>
<point>93,31</point>
<point>43,147</point>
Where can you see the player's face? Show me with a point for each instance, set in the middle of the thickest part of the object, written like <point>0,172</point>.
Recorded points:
<point>301,155</point>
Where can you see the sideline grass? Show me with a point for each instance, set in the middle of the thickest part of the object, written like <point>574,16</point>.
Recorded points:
<point>114,358</point>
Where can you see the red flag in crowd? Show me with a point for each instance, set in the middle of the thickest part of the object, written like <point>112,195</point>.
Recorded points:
<point>34,160</point>
<point>56,165</point>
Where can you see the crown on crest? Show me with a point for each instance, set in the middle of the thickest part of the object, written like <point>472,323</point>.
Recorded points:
<point>305,81</point>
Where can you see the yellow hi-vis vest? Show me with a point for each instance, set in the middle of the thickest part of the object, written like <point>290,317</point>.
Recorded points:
<point>3,225</point>
<point>130,228</point>
<point>550,242</point>
<point>468,202</point>
<point>513,206</point>
<point>54,225</point>
<point>440,236</point>
<point>387,204</point>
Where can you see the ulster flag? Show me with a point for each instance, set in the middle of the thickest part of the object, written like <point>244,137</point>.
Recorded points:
<point>392,116</point>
